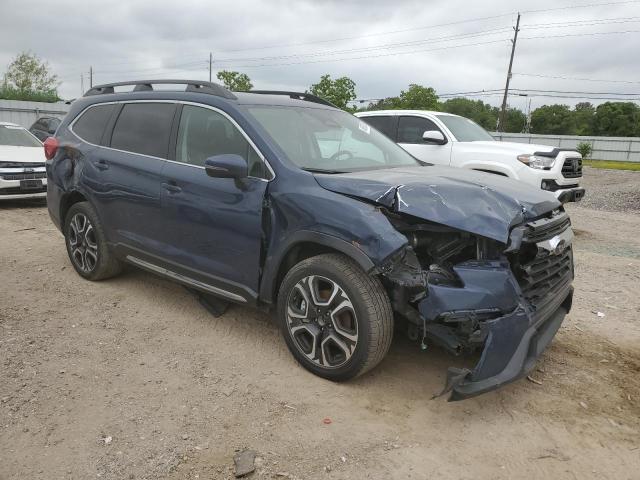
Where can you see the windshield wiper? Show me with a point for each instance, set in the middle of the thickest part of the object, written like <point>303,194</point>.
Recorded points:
<point>321,170</point>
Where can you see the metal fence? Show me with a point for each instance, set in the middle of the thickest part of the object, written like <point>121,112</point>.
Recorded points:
<point>25,113</point>
<point>625,149</point>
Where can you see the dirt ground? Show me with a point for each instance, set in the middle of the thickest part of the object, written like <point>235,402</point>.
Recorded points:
<point>131,378</point>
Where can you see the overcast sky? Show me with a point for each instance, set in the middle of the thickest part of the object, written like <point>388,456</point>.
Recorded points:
<point>454,46</point>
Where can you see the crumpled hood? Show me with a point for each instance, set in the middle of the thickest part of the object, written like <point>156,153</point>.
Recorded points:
<point>476,202</point>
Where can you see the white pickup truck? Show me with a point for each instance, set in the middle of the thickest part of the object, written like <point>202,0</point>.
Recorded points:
<point>445,139</point>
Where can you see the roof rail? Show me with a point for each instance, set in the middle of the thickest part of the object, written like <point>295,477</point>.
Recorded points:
<point>296,95</point>
<point>197,86</point>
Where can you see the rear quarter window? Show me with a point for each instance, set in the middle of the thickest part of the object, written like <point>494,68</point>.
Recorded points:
<point>144,128</point>
<point>91,124</point>
<point>383,123</point>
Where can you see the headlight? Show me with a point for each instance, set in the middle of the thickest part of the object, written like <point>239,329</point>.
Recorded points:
<point>534,161</point>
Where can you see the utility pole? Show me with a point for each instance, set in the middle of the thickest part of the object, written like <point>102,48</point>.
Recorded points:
<point>90,77</point>
<point>210,64</point>
<point>82,84</point>
<point>503,111</point>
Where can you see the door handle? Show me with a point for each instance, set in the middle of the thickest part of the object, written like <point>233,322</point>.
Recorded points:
<point>171,187</point>
<point>101,164</point>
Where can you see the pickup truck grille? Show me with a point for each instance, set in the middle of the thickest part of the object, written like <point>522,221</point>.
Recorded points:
<point>21,165</point>
<point>23,176</point>
<point>572,167</point>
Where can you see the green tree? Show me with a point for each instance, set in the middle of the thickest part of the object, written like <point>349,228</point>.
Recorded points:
<point>584,149</point>
<point>584,115</point>
<point>617,119</point>
<point>235,81</point>
<point>340,91</point>
<point>553,119</point>
<point>514,120</point>
<point>482,113</point>
<point>27,77</point>
<point>418,97</point>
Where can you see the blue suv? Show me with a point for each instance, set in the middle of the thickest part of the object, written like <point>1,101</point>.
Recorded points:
<point>282,201</point>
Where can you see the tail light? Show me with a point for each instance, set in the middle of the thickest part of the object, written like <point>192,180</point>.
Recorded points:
<point>50,147</point>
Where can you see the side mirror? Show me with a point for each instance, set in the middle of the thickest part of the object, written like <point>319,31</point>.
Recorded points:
<point>52,130</point>
<point>228,165</point>
<point>434,136</point>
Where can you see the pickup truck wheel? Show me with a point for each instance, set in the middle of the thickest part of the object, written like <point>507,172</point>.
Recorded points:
<point>336,320</point>
<point>87,244</point>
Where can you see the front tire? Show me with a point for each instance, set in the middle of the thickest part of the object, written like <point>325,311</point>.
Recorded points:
<point>87,244</point>
<point>337,321</point>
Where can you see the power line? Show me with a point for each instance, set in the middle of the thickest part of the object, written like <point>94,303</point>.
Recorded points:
<point>563,77</point>
<point>580,34</point>
<point>569,7</point>
<point>461,36</point>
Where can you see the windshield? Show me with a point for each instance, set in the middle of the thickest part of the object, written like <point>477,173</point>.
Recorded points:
<point>465,130</point>
<point>329,140</point>
<point>17,137</point>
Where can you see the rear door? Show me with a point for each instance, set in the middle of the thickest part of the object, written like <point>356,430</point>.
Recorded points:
<point>214,225</point>
<point>387,124</point>
<point>409,137</point>
<point>128,175</point>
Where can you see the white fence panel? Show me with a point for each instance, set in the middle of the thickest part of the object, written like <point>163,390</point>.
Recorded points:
<point>25,113</point>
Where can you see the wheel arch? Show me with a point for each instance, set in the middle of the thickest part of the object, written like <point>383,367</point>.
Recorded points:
<point>303,245</point>
<point>68,200</point>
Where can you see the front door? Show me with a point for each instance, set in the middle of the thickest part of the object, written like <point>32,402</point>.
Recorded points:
<point>410,131</point>
<point>213,225</point>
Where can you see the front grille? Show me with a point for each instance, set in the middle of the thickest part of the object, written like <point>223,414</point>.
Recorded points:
<point>543,274</point>
<point>21,191</point>
<point>546,228</point>
<point>542,277</point>
<point>572,167</point>
<point>23,176</point>
<point>21,165</point>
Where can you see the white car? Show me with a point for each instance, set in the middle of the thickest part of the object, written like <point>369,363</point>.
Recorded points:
<point>445,139</point>
<point>22,163</point>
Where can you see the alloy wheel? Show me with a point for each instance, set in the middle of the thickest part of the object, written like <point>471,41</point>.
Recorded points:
<point>322,321</point>
<point>82,242</point>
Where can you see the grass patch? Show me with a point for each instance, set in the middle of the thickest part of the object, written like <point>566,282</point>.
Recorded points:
<point>614,165</point>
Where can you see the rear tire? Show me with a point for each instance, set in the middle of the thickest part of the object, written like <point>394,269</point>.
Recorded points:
<point>87,244</point>
<point>337,320</point>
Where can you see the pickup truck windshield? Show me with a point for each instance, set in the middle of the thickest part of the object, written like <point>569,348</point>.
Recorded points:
<point>330,141</point>
<point>17,137</point>
<point>465,130</point>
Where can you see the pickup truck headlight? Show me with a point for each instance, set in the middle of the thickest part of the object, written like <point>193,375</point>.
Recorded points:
<point>535,161</point>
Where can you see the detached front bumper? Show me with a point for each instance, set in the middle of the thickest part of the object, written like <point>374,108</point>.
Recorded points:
<point>512,341</point>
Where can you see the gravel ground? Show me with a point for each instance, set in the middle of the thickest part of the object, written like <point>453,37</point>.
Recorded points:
<point>131,378</point>
<point>611,190</point>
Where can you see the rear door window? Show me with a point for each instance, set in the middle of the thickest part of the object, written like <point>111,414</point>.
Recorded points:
<point>385,124</point>
<point>411,129</point>
<point>144,128</point>
<point>91,124</point>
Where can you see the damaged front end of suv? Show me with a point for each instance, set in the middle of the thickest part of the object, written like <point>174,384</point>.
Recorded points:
<point>494,276</point>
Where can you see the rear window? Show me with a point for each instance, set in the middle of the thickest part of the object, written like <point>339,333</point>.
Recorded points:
<point>91,124</point>
<point>16,136</point>
<point>144,128</point>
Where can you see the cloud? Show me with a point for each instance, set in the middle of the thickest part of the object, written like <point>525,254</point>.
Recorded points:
<point>156,39</point>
